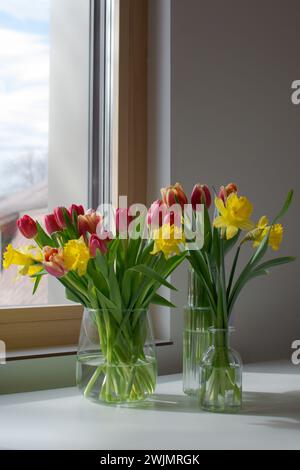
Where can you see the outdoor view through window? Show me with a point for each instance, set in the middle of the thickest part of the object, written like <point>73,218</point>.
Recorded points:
<point>24,90</point>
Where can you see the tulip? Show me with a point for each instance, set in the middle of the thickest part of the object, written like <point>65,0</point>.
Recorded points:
<point>172,218</point>
<point>123,220</point>
<point>201,195</point>
<point>156,213</point>
<point>54,261</point>
<point>99,243</point>
<point>174,195</point>
<point>51,224</point>
<point>88,222</point>
<point>78,209</point>
<point>225,191</point>
<point>60,218</point>
<point>27,226</point>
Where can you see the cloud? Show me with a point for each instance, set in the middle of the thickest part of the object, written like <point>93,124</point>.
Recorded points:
<point>24,93</point>
<point>35,10</point>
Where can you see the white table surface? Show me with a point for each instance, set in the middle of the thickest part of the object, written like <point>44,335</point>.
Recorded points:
<point>63,419</point>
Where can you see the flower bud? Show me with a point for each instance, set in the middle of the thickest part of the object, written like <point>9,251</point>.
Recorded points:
<point>99,243</point>
<point>27,226</point>
<point>88,222</point>
<point>54,261</point>
<point>51,224</point>
<point>78,209</point>
<point>174,195</point>
<point>156,214</point>
<point>123,220</point>
<point>224,192</point>
<point>201,195</point>
<point>60,218</point>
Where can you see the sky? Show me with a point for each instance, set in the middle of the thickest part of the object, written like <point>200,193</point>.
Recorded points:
<point>24,82</point>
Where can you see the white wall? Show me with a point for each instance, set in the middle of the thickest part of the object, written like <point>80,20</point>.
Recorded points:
<point>232,65</point>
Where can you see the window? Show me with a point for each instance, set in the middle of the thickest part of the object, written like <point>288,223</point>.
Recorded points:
<point>95,92</point>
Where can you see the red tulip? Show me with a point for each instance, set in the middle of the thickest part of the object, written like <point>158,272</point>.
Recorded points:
<point>225,191</point>
<point>201,195</point>
<point>54,261</point>
<point>88,222</point>
<point>78,209</point>
<point>174,195</point>
<point>99,243</point>
<point>59,216</point>
<point>156,213</point>
<point>123,220</point>
<point>173,218</point>
<point>27,226</point>
<point>51,224</point>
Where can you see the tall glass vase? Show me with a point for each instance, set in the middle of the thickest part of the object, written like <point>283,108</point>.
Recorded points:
<point>198,319</point>
<point>221,375</point>
<point>116,361</point>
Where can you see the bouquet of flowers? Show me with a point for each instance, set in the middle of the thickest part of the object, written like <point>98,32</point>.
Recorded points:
<point>231,226</point>
<point>115,275</point>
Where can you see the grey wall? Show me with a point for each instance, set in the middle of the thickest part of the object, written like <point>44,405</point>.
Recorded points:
<point>232,65</point>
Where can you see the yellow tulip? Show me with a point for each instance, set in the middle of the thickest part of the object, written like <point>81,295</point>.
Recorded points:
<point>234,216</point>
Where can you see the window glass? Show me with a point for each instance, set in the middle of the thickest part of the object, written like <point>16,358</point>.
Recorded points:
<point>24,109</point>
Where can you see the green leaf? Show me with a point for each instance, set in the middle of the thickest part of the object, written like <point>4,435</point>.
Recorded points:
<point>229,244</point>
<point>285,206</point>
<point>115,294</point>
<point>159,300</point>
<point>150,273</point>
<point>70,295</point>
<point>42,238</point>
<point>275,262</point>
<point>101,264</point>
<point>70,229</point>
<point>36,283</point>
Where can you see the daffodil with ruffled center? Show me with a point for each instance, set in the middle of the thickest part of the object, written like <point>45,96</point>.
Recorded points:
<point>76,256</point>
<point>234,216</point>
<point>167,239</point>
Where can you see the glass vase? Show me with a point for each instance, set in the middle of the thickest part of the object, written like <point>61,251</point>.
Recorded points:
<point>198,319</point>
<point>116,361</point>
<point>221,375</point>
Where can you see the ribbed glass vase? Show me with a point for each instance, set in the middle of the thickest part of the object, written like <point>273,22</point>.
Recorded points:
<point>198,319</point>
<point>116,361</point>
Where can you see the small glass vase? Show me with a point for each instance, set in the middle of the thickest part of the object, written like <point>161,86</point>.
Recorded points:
<point>221,375</point>
<point>198,319</point>
<point>116,360</point>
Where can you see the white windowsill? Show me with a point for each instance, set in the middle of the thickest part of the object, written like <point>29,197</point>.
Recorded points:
<point>63,419</point>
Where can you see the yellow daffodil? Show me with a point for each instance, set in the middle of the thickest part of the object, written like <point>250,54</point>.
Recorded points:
<point>261,230</point>
<point>76,256</point>
<point>167,240</point>
<point>28,258</point>
<point>234,216</point>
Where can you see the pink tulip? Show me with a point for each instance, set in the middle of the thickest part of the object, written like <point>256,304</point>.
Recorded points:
<point>173,218</point>
<point>53,261</point>
<point>59,216</point>
<point>27,226</point>
<point>224,192</point>
<point>99,243</point>
<point>51,224</point>
<point>156,213</point>
<point>123,220</point>
<point>201,195</point>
